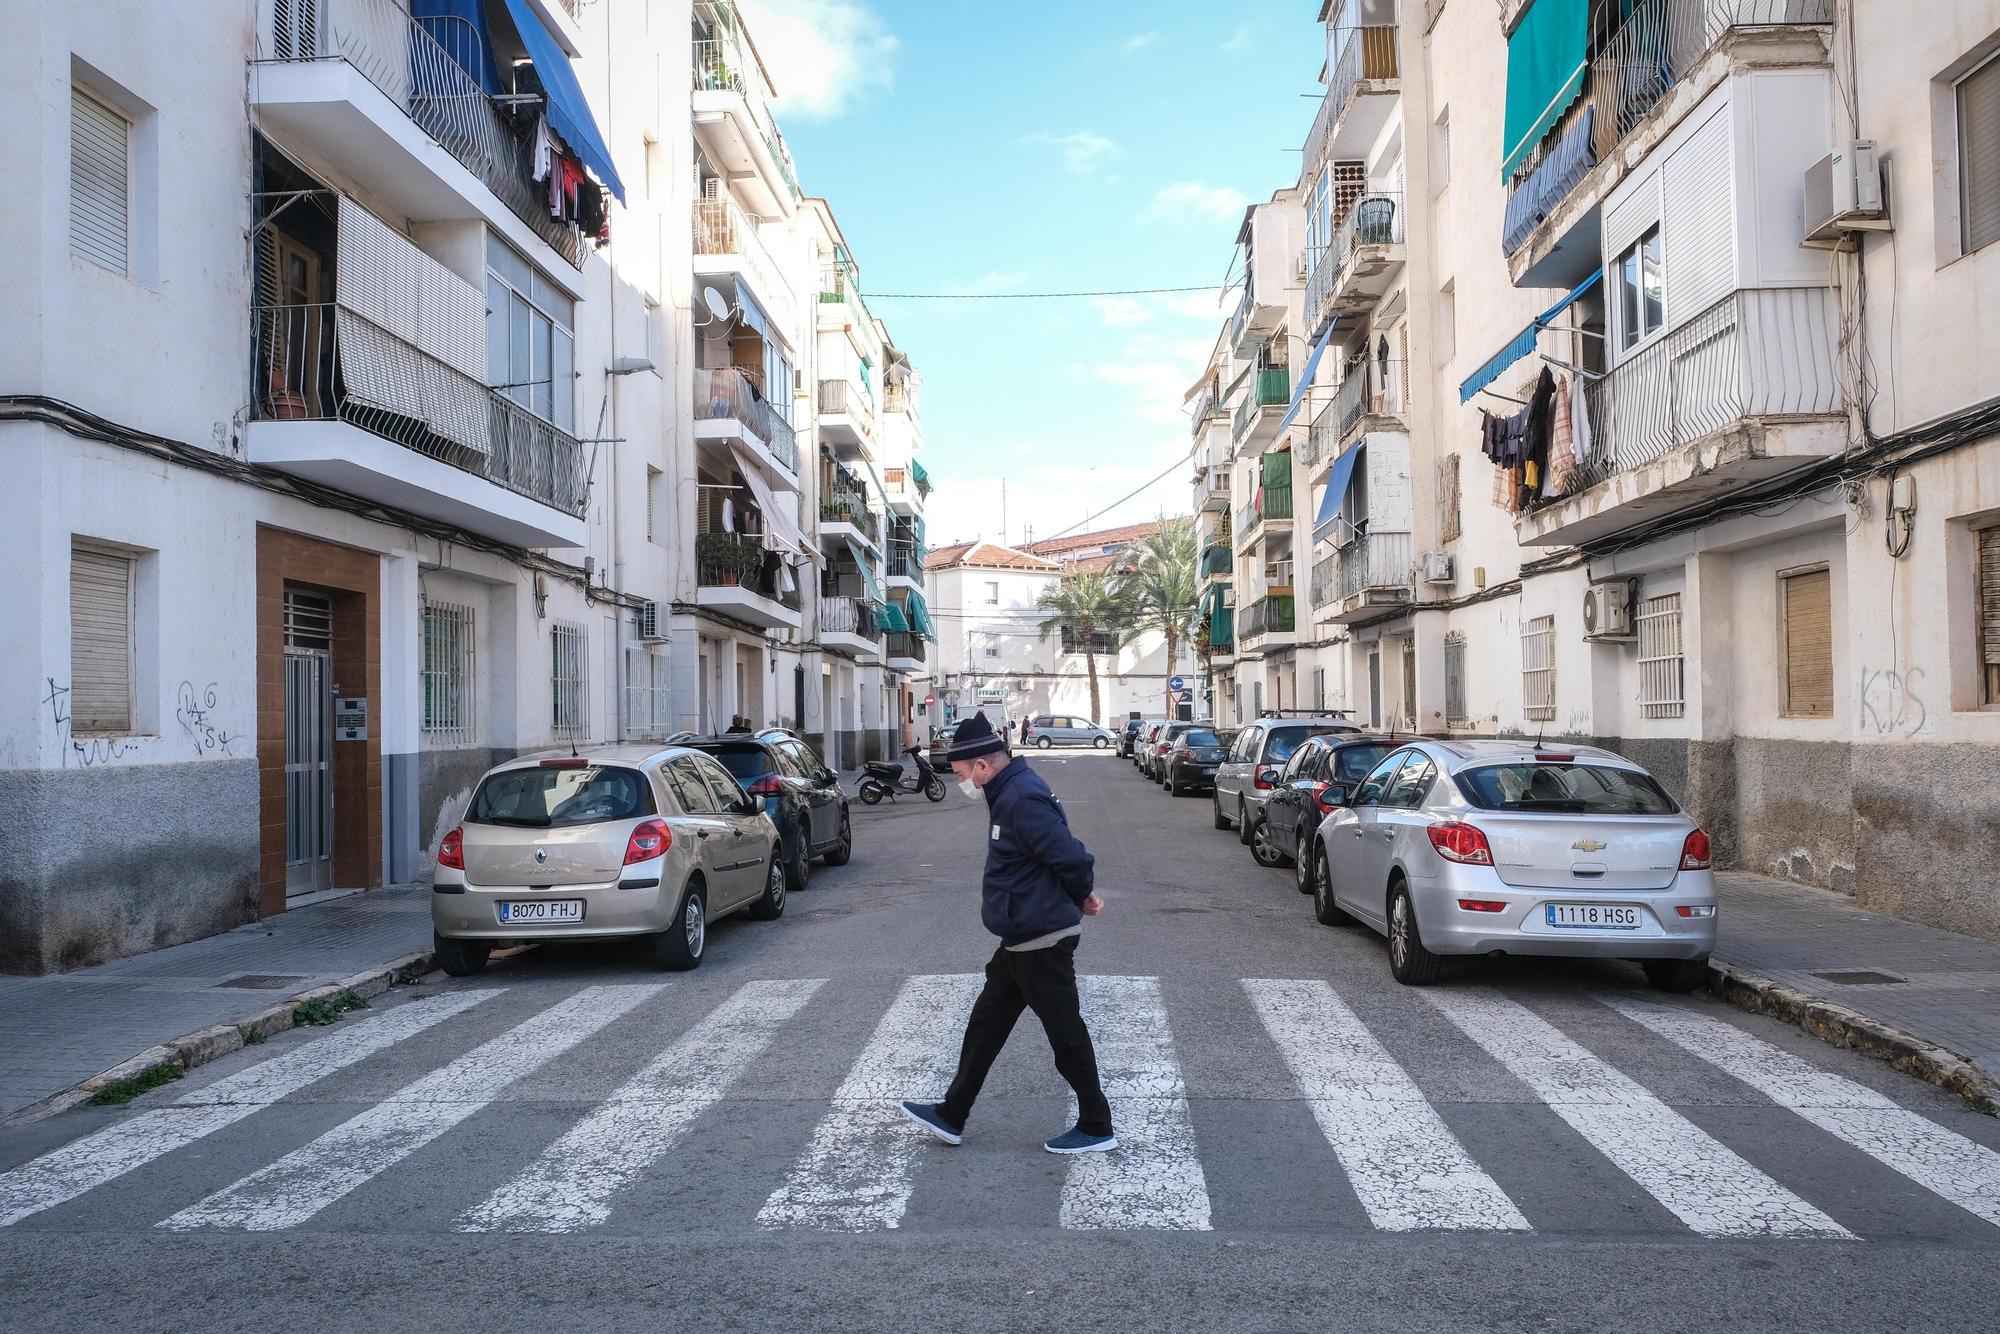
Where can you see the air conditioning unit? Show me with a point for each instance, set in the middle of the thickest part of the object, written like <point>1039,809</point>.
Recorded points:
<point>1437,567</point>
<point>1607,612</point>
<point>1299,269</point>
<point>649,623</point>
<point>1843,193</point>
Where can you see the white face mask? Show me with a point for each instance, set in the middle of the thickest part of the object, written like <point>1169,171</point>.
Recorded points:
<point>968,787</point>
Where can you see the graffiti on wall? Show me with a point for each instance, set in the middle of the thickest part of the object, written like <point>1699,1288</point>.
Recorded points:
<point>88,750</point>
<point>195,712</point>
<point>1891,704</point>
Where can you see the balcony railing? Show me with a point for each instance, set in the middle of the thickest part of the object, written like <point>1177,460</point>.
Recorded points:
<point>839,282</point>
<point>1375,219</point>
<point>1326,579</point>
<point>901,645</point>
<point>1271,387</point>
<point>1369,388</point>
<point>1241,316</point>
<point>422,65</point>
<point>1768,352</point>
<point>840,397</point>
<point>737,560</point>
<point>1370,53</point>
<point>722,393</point>
<point>1204,408</point>
<point>721,228</point>
<point>1275,613</point>
<point>1215,558</point>
<point>327,363</point>
<point>839,504</point>
<point>1375,560</point>
<point>720,66</point>
<point>1276,502</point>
<point>1248,518</point>
<point>1212,484</point>
<point>845,614</point>
<point>903,563</point>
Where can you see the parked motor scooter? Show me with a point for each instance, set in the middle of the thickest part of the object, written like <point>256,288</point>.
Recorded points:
<point>885,778</point>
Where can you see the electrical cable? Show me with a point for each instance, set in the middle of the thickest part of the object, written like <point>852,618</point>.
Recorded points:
<point>1040,296</point>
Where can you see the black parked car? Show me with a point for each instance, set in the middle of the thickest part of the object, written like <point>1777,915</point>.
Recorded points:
<point>1153,763</point>
<point>1302,798</point>
<point>1129,733</point>
<point>802,796</point>
<point>1191,760</point>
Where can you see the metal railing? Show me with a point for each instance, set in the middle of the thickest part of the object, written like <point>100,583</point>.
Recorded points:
<point>839,282</point>
<point>1271,387</point>
<point>739,560</point>
<point>1204,407</point>
<point>724,393</point>
<point>326,363</point>
<point>1370,53</point>
<point>424,66</point>
<point>903,645</point>
<point>840,397</point>
<point>840,504</point>
<point>1275,613</point>
<point>1248,519</point>
<point>903,564</point>
<point>1375,560</point>
<point>1369,388</point>
<point>1276,502</point>
<point>1768,352</point>
<point>1326,579</point>
<point>1213,484</point>
<point>720,66</point>
<point>845,614</point>
<point>1374,219</point>
<point>720,228</point>
<point>1241,316</point>
<point>895,397</point>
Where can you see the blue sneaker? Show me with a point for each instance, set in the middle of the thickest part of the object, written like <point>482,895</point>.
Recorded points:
<point>926,1115</point>
<point>1081,1141</point>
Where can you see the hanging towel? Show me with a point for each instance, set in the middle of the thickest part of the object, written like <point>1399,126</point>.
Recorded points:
<point>1562,446</point>
<point>1579,413</point>
<point>1502,492</point>
<point>545,150</point>
<point>728,515</point>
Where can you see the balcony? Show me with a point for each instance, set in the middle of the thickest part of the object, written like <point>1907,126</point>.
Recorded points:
<point>733,122</point>
<point>841,307</point>
<point>728,248</point>
<point>1352,274</point>
<point>904,565</point>
<point>1251,323</point>
<point>346,403</point>
<point>738,576</point>
<point>1264,400</point>
<point>1369,398</point>
<point>730,412</point>
<point>905,653</point>
<point>903,495</point>
<point>1211,489</point>
<point>387,100</point>
<point>1272,507</point>
<point>1747,390</point>
<point>1269,622</point>
<point>846,419</point>
<point>1360,95</point>
<point>848,625</point>
<point>1215,559</point>
<point>844,516</point>
<point>1369,575</point>
<point>1640,84</point>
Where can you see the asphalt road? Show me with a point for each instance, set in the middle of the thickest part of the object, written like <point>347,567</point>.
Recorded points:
<point>573,1141</point>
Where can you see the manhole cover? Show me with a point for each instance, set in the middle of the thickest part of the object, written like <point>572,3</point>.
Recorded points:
<point>1862,977</point>
<point>262,981</point>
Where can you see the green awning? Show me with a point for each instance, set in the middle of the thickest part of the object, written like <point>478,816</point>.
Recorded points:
<point>1546,60</point>
<point>889,616</point>
<point>1278,468</point>
<point>869,580</point>
<point>923,478</point>
<point>920,615</point>
<point>1222,627</point>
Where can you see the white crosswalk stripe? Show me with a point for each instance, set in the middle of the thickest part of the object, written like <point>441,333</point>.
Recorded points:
<point>58,1177</point>
<point>1404,1164</point>
<point>1154,1179</point>
<point>572,1184</point>
<point>857,1172</point>
<point>1937,1159</point>
<point>1699,1180</point>
<point>299,1185</point>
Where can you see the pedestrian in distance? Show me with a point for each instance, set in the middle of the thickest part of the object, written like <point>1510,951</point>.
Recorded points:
<point>1037,889</point>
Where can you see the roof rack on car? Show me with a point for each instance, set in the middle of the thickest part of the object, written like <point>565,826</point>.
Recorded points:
<point>681,738</point>
<point>1306,713</point>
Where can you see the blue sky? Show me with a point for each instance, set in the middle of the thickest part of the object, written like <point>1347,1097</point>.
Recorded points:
<point>986,148</point>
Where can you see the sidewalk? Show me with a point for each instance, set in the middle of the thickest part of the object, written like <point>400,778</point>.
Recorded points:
<point>60,1030</point>
<point>1936,986</point>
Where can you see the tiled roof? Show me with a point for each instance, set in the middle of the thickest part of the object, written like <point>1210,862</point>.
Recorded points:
<point>987,555</point>
<point>939,557</point>
<point>1077,544</point>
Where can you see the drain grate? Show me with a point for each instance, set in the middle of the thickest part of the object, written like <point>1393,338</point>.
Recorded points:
<point>262,981</point>
<point>1862,977</point>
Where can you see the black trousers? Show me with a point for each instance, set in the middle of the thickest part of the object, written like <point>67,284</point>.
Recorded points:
<point>1044,981</point>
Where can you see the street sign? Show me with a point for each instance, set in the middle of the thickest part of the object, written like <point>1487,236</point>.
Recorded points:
<point>930,699</point>
<point>1176,683</point>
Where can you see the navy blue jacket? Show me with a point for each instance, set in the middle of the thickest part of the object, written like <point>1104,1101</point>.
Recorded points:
<point>1037,874</point>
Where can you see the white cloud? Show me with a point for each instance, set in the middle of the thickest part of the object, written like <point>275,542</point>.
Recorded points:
<point>1117,310</point>
<point>1083,151</point>
<point>1239,41</point>
<point>1130,311</point>
<point>1185,199</point>
<point>1140,41</point>
<point>822,54</point>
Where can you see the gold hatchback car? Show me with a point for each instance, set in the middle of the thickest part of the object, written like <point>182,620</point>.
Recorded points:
<point>619,841</point>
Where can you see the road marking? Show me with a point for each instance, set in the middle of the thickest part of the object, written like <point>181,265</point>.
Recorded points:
<point>1403,1162</point>
<point>572,1184</point>
<point>307,1180</point>
<point>1941,1161</point>
<point>1699,1180</point>
<point>857,1172</point>
<point>62,1175</point>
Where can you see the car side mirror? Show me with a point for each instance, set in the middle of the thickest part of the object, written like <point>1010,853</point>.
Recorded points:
<point>1267,775</point>
<point>1335,794</point>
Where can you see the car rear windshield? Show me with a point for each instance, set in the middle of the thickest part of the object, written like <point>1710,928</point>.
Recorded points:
<point>1352,763</point>
<point>746,764</point>
<point>545,798</point>
<point>1200,738</point>
<point>1278,747</point>
<point>1584,789</point>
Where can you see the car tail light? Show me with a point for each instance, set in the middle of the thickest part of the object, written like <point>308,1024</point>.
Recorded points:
<point>1457,841</point>
<point>767,786</point>
<point>1163,748</point>
<point>1483,905</point>
<point>1694,852</point>
<point>451,852</point>
<point>1319,799</point>
<point>651,839</point>
<point>566,762</point>
<point>1694,909</point>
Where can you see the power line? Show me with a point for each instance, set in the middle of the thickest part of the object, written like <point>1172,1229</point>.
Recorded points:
<point>1038,296</point>
<point>1164,473</point>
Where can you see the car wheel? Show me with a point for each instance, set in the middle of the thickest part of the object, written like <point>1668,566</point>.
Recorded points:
<point>681,946</point>
<point>1325,910</point>
<point>798,866</point>
<point>1043,742</point>
<point>1099,743</point>
<point>1302,861</point>
<point>1174,788</point>
<point>1242,822</point>
<point>770,905</point>
<point>843,849</point>
<point>1675,974</point>
<point>1409,962</point>
<point>1215,811</point>
<point>460,958</point>
<point>1264,848</point>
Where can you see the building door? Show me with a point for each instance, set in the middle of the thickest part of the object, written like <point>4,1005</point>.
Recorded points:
<point>1375,685</point>
<point>1410,683</point>
<point>308,742</point>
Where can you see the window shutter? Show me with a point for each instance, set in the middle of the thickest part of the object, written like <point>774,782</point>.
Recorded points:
<point>1808,600</point>
<point>1979,154</point>
<point>100,641</point>
<point>98,175</point>
<point>1989,594</point>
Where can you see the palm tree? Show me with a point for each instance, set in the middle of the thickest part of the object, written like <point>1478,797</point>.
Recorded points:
<point>1083,607</point>
<point>1159,586</point>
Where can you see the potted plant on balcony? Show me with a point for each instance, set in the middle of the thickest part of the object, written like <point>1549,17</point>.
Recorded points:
<point>720,556</point>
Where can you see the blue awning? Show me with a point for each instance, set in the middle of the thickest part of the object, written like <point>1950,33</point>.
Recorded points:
<point>568,109</point>
<point>1522,343</point>
<point>459,26</point>
<point>1336,491</point>
<point>1306,378</point>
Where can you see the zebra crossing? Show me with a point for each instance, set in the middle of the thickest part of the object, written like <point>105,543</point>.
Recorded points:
<point>1369,1091</point>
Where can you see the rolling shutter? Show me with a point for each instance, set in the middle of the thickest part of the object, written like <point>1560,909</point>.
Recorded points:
<point>98,172</point>
<point>1979,154</point>
<point>1808,608</point>
<point>100,641</point>
<point>1989,595</point>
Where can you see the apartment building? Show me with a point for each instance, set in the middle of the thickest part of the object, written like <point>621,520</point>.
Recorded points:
<point>392,387</point>
<point>1729,265</point>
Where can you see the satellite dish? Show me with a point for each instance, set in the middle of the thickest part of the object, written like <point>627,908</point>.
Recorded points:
<point>716,305</point>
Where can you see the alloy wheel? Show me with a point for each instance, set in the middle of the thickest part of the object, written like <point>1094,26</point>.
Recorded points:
<point>1399,930</point>
<point>696,925</point>
<point>774,884</point>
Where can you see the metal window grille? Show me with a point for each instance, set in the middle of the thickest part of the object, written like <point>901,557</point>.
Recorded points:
<point>1662,677</point>
<point>1448,496</point>
<point>1455,712</point>
<point>570,715</point>
<point>1538,668</point>
<point>1319,688</point>
<point>448,672</point>
<point>1409,683</point>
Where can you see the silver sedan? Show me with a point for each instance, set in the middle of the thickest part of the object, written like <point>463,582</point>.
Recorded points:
<point>1495,847</point>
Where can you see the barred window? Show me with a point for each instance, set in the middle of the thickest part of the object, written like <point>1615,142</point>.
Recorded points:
<point>1455,712</point>
<point>448,674</point>
<point>570,716</point>
<point>1097,641</point>
<point>645,692</point>
<point>1448,520</point>
<point>1661,672</point>
<point>1538,668</point>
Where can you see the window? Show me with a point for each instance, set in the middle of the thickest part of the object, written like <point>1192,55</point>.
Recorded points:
<point>539,798</point>
<point>1447,499</point>
<point>653,476</point>
<point>1447,330</point>
<point>692,792</point>
<point>1538,668</point>
<point>1441,151</point>
<point>1641,290</point>
<point>530,351</point>
<point>1989,615</point>
<point>729,794</point>
<point>1580,789</point>
<point>992,650</point>
<point>1455,712</point>
<point>1301,764</point>
<point>1978,98</point>
<point>1370,791</point>
<point>570,716</point>
<point>1806,603</point>
<point>1660,663</point>
<point>100,642</point>
<point>448,674</point>
<point>1413,780</point>
<point>992,592</point>
<point>100,142</point>
<point>1319,688</point>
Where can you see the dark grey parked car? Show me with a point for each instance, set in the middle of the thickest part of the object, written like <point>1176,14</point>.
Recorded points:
<point>1191,760</point>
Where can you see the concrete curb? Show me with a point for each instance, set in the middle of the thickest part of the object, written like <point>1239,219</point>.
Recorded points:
<point>206,1044</point>
<point>1842,1027</point>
